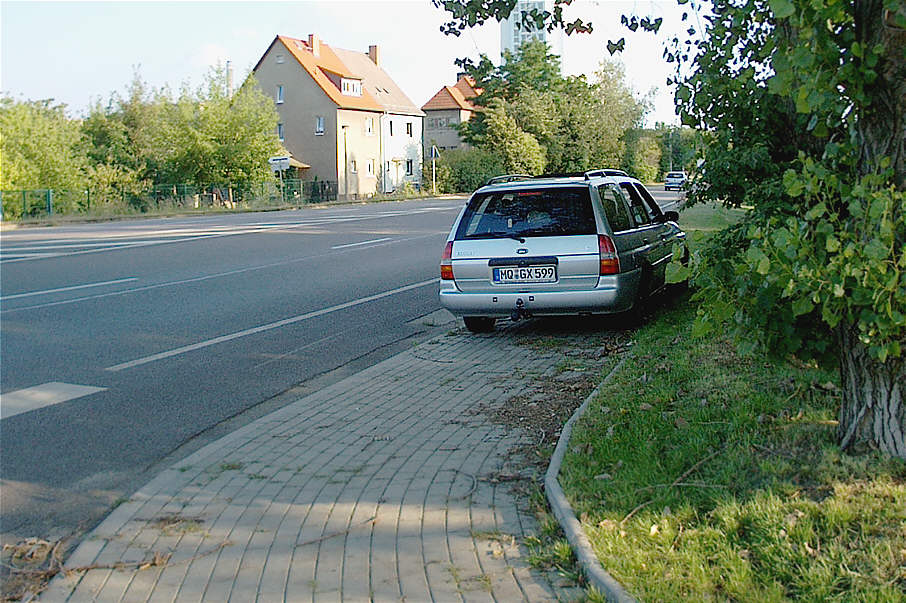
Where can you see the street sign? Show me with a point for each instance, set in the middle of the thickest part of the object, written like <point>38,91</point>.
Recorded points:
<point>278,164</point>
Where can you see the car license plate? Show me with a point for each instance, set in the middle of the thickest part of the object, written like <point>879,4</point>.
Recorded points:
<point>525,274</point>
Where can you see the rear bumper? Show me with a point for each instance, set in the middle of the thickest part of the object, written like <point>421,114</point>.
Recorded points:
<point>612,294</point>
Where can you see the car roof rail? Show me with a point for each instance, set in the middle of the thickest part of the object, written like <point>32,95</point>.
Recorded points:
<point>560,175</point>
<point>604,172</point>
<point>507,178</point>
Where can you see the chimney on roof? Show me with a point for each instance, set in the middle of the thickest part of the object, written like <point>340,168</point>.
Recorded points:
<point>314,43</point>
<point>374,53</point>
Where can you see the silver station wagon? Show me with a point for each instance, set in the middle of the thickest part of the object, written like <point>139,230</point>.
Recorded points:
<point>593,244</point>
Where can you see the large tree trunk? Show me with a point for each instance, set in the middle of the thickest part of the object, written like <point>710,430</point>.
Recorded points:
<point>873,412</point>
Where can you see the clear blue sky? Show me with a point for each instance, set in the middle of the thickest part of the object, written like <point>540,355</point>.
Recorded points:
<point>76,52</point>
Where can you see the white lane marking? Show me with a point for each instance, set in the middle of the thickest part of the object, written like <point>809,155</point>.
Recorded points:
<point>203,278</point>
<point>214,231</point>
<point>73,288</point>
<point>39,396</point>
<point>361,243</point>
<point>267,327</point>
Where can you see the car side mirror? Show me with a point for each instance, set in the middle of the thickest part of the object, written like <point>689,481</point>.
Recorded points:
<point>671,216</point>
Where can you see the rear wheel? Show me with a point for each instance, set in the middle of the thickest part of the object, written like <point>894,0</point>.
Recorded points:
<point>479,324</point>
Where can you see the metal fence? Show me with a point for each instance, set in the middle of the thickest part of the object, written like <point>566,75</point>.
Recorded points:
<point>40,203</point>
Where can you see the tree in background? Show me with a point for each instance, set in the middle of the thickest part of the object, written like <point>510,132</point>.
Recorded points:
<point>142,138</point>
<point>642,156</point>
<point>678,147</point>
<point>41,147</point>
<point>576,124</point>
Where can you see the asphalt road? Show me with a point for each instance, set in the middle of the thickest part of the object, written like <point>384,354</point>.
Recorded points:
<point>145,339</point>
<point>186,323</point>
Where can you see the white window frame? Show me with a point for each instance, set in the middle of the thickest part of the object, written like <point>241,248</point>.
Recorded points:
<point>319,125</point>
<point>409,128</point>
<point>410,167</point>
<point>280,132</point>
<point>369,126</point>
<point>279,95</point>
<point>369,166</point>
<point>353,169</point>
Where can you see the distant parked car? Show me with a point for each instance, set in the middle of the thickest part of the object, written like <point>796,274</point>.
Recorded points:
<point>675,180</point>
<point>556,246</point>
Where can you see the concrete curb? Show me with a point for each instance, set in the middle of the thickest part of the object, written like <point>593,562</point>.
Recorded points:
<point>564,513</point>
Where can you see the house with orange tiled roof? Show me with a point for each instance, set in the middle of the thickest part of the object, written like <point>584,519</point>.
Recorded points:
<point>451,106</point>
<point>335,107</point>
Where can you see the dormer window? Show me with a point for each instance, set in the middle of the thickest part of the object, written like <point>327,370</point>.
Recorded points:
<point>351,87</point>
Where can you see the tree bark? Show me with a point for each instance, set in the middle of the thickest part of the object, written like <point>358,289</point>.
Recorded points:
<point>882,123</point>
<point>873,411</point>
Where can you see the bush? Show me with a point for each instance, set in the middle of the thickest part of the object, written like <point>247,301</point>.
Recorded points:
<point>463,170</point>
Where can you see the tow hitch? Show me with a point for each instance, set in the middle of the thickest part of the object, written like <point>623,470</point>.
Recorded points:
<point>519,311</point>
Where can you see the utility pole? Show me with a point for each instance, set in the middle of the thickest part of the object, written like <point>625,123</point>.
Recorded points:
<point>345,165</point>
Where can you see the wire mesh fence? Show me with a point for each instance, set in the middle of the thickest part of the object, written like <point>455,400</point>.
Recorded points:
<point>39,203</point>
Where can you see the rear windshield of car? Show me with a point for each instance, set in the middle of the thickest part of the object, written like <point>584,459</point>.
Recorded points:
<point>533,212</point>
<point>675,175</point>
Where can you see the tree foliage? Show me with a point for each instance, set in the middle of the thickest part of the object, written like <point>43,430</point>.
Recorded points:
<point>41,147</point>
<point>574,124</point>
<point>141,137</point>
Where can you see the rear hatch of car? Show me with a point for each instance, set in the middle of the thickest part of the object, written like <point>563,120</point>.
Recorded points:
<point>527,240</point>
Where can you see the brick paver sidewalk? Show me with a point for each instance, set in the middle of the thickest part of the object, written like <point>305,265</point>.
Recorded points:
<point>375,488</point>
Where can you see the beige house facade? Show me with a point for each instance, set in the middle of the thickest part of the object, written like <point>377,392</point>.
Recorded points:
<point>330,121</point>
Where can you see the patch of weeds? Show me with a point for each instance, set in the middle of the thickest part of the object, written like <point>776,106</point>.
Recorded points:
<point>231,466</point>
<point>184,468</point>
<point>258,476</point>
<point>119,501</point>
<point>176,524</point>
<point>549,550</point>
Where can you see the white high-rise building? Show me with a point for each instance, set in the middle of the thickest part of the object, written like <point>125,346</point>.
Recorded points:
<point>513,33</point>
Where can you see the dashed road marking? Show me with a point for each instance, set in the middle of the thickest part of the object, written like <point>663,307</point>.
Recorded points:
<point>39,396</point>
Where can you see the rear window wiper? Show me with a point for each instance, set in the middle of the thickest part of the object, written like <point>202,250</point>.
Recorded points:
<point>497,234</point>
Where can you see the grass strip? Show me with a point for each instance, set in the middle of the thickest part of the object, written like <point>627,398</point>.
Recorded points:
<point>701,474</point>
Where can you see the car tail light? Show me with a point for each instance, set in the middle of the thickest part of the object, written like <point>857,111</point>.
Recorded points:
<point>610,263</point>
<point>446,263</point>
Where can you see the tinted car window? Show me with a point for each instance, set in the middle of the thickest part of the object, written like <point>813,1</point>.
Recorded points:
<point>654,210</point>
<point>614,208</point>
<point>636,205</point>
<point>533,212</point>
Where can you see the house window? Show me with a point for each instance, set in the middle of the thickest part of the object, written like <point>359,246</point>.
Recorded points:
<point>280,94</point>
<point>279,59</point>
<point>280,132</point>
<point>351,87</point>
<point>370,167</point>
<point>369,126</point>
<point>391,128</point>
<point>408,167</point>
<point>319,125</point>
<point>409,128</point>
<point>387,167</point>
<point>352,166</point>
